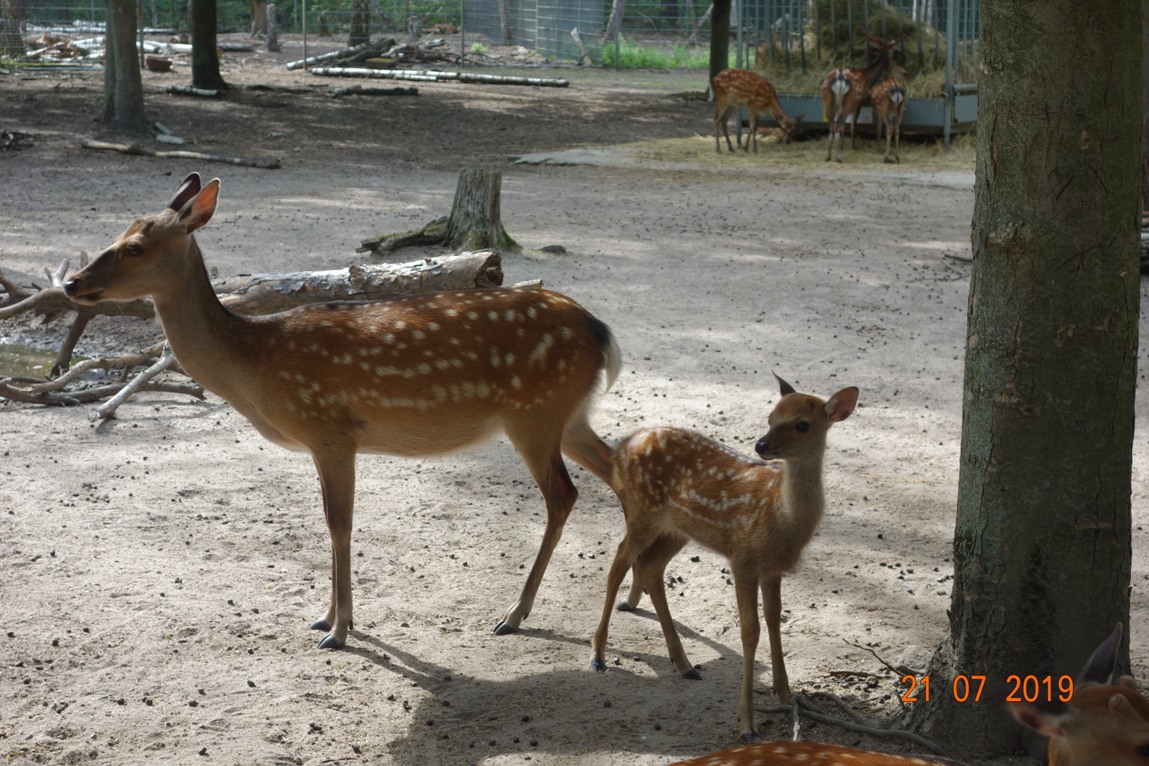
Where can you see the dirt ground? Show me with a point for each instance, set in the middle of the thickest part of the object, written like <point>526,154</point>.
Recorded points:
<point>158,572</point>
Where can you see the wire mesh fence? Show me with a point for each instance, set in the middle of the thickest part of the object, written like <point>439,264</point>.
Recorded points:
<point>774,35</point>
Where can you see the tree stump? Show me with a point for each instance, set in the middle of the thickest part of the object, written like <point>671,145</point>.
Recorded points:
<point>475,222</point>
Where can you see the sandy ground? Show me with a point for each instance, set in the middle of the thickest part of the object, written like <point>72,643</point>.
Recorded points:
<point>158,572</point>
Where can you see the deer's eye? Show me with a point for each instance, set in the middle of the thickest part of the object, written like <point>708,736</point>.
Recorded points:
<point>802,426</point>
<point>134,250</point>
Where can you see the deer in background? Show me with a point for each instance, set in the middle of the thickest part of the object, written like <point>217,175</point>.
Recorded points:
<point>677,485</point>
<point>740,87</point>
<point>889,100</point>
<point>844,90</point>
<point>1105,724</point>
<point>417,376</point>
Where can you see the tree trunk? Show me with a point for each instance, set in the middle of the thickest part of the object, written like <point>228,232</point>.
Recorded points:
<point>123,110</point>
<point>360,23</point>
<point>719,37</point>
<point>1145,100</point>
<point>476,214</point>
<point>205,49</point>
<point>1042,545</point>
<point>11,38</point>
<point>504,23</point>
<point>614,23</point>
<point>258,11</point>
<point>273,45</point>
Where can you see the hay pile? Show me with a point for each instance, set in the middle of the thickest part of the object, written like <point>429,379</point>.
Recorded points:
<point>829,34</point>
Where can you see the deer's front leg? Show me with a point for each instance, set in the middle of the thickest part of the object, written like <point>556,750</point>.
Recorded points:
<point>336,468</point>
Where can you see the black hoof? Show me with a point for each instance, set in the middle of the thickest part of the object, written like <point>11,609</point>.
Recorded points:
<point>598,665</point>
<point>504,629</point>
<point>693,674</point>
<point>751,737</point>
<point>330,642</point>
<point>624,606</point>
<point>321,624</point>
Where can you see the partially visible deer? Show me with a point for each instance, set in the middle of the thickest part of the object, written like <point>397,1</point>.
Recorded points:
<point>741,87</point>
<point>676,486</point>
<point>1106,724</point>
<point>413,377</point>
<point>889,100</point>
<point>844,90</point>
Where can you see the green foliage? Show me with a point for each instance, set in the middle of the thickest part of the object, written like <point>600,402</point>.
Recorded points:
<point>630,55</point>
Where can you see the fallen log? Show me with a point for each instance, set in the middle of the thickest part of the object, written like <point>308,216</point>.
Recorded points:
<point>359,90</point>
<point>332,56</point>
<point>144,151</point>
<point>190,90</point>
<point>268,293</point>
<point>439,76</point>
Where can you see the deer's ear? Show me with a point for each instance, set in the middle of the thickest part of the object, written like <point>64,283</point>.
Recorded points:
<point>199,209</point>
<point>842,404</point>
<point>1100,666</point>
<point>188,189</point>
<point>783,386</point>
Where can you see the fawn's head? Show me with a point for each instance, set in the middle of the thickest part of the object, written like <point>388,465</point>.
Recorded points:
<point>143,260</point>
<point>1103,723</point>
<point>789,126</point>
<point>799,423</point>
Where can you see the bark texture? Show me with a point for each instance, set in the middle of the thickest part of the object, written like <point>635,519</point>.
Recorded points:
<point>1042,547</point>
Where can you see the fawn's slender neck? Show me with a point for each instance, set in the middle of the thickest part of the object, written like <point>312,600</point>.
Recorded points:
<point>803,497</point>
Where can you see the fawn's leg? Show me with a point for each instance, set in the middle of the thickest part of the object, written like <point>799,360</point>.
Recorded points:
<point>772,607</point>
<point>746,592</point>
<point>652,563</point>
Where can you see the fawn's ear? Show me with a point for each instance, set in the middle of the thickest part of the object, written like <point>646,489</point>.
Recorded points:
<point>842,404</point>
<point>1102,664</point>
<point>188,189</point>
<point>785,387</point>
<point>199,209</point>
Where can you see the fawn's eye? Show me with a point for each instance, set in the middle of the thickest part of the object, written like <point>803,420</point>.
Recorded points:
<point>802,426</point>
<point>134,250</point>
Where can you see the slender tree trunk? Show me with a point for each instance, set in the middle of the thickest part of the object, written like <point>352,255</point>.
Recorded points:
<point>1042,545</point>
<point>614,23</point>
<point>205,48</point>
<point>360,23</point>
<point>719,36</point>
<point>258,11</point>
<point>11,38</point>
<point>123,110</point>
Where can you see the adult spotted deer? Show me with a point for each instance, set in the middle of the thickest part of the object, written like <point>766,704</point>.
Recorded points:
<point>844,90</point>
<point>889,100</point>
<point>413,377</point>
<point>678,485</point>
<point>1105,724</point>
<point>741,87</point>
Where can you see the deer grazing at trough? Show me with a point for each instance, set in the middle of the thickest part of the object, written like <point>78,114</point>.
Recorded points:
<point>741,87</point>
<point>1105,724</point>
<point>676,486</point>
<point>844,90</point>
<point>417,376</point>
<point>889,100</point>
